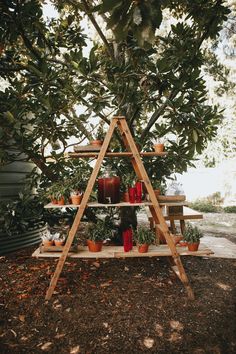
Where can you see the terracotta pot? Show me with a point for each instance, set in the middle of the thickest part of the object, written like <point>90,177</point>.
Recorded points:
<point>125,197</point>
<point>159,147</point>
<point>61,201</point>
<point>54,201</point>
<point>59,242</point>
<point>193,247</point>
<point>157,192</point>
<point>96,142</point>
<point>76,199</point>
<point>94,246</point>
<point>143,248</point>
<point>48,243</point>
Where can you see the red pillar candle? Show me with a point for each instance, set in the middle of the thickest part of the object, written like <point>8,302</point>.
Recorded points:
<point>127,239</point>
<point>130,233</point>
<point>139,190</point>
<point>125,235</point>
<point>132,194</point>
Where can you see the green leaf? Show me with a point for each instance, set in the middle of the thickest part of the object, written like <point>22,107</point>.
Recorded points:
<point>195,136</point>
<point>108,5</point>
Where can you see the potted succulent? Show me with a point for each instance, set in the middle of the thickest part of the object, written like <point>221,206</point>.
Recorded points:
<point>158,146</point>
<point>192,236</point>
<point>98,141</point>
<point>75,186</point>
<point>47,239</point>
<point>144,237</point>
<point>97,233</point>
<point>59,240</point>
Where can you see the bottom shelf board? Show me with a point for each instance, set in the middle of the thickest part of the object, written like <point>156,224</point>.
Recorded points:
<point>118,252</point>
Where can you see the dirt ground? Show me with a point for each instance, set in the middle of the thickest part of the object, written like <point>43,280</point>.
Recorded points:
<point>116,306</point>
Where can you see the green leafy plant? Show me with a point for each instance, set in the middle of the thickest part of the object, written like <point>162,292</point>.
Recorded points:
<point>101,230</point>
<point>24,213</point>
<point>144,235</point>
<point>100,133</point>
<point>158,185</point>
<point>230,209</point>
<point>57,190</point>
<point>192,234</point>
<point>127,180</point>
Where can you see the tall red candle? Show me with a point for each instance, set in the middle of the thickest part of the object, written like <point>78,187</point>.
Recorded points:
<point>139,190</point>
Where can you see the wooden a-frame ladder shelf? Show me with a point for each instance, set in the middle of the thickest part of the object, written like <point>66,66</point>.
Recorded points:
<point>168,250</point>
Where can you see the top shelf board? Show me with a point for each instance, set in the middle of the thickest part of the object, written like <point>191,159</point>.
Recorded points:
<point>113,154</point>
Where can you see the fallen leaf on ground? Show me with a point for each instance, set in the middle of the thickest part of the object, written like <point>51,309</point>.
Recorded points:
<point>46,346</point>
<point>148,342</point>
<point>22,318</point>
<point>75,350</point>
<point>108,283</point>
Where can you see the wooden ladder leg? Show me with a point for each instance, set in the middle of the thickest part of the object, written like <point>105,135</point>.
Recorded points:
<point>180,272</point>
<point>156,209</point>
<point>63,256</point>
<point>80,212</point>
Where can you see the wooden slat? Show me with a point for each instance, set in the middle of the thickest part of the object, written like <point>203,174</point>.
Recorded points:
<point>113,154</point>
<point>101,205</point>
<point>188,214</point>
<point>118,252</point>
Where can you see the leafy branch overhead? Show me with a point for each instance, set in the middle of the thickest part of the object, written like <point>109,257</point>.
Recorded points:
<point>145,62</point>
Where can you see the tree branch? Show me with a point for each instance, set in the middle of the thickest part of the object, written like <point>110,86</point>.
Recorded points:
<point>96,26</point>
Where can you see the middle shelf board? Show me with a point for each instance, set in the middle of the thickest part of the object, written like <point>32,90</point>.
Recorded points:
<point>113,154</point>
<point>118,252</point>
<point>121,204</point>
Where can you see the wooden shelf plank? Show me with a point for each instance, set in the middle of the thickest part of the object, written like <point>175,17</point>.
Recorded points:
<point>118,252</point>
<point>188,214</point>
<point>118,205</point>
<point>113,154</point>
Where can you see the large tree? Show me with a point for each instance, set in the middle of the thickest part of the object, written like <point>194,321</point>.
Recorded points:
<point>145,63</point>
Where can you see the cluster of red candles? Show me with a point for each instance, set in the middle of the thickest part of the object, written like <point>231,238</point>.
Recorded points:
<point>128,239</point>
<point>135,193</point>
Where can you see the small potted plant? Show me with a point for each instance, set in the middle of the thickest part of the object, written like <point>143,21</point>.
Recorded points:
<point>127,182</point>
<point>47,239</point>
<point>98,141</point>
<point>76,197</point>
<point>159,146</point>
<point>59,240</point>
<point>144,237</point>
<point>75,186</point>
<point>57,192</point>
<point>97,233</point>
<point>192,236</point>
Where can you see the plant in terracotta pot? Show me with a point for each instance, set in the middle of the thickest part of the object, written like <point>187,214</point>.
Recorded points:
<point>59,240</point>
<point>47,238</point>
<point>76,186</point>
<point>57,192</point>
<point>158,186</point>
<point>98,141</point>
<point>97,233</point>
<point>159,146</point>
<point>192,235</point>
<point>127,182</point>
<point>144,237</point>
